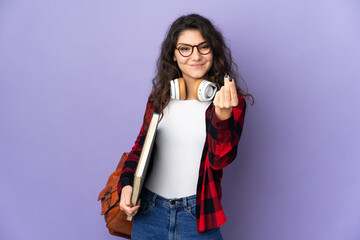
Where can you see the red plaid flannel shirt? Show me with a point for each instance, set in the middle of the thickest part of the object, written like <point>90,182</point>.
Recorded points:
<point>220,149</point>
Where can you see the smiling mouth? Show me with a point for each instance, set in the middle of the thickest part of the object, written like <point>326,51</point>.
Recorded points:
<point>197,65</point>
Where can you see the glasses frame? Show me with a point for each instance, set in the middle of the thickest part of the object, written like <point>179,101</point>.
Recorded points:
<point>192,49</point>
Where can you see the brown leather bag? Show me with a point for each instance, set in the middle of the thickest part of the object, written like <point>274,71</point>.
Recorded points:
<point>114,217</point>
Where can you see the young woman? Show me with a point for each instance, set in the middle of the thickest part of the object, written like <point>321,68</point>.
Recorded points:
<point>198,134</point>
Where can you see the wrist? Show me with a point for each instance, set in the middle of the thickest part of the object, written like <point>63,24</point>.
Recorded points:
<point>223,113</point>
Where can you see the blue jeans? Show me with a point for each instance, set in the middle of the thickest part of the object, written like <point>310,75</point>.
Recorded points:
<point>173,219</point>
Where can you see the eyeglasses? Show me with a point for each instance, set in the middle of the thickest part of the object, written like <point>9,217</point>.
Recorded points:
<point>186,50</point>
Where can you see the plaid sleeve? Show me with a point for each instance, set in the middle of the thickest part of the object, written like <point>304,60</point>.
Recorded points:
<point>130,164</point>
<point>226,135</point>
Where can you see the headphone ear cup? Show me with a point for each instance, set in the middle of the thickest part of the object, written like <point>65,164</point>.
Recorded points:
<point>196,89</point>
<point>182,88</point>
<point>173,92</point>
<point>177,89</point>
<point>204,90</point>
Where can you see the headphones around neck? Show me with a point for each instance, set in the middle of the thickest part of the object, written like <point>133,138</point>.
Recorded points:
<point>203,90</point>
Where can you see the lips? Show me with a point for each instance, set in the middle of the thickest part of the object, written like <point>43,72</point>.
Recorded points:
<point>197,65</point>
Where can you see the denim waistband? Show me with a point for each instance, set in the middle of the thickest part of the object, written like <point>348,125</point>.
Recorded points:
<point>183,201</point>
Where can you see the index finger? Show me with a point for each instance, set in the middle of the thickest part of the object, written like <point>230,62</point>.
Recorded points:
<point>226,77</point>
<point>227,80</point>
<point>230,85</point>
<point>233,92</point>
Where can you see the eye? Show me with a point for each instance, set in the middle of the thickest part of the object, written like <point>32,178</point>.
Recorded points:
<point>184,48</point>
<point>205,46</point>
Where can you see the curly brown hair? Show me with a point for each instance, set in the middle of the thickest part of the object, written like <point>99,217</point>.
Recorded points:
<point>167,69</point>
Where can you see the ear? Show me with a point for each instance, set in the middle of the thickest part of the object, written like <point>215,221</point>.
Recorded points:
<point>174,58</point>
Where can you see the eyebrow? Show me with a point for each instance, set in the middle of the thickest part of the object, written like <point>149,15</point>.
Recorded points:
<point>190,44</point>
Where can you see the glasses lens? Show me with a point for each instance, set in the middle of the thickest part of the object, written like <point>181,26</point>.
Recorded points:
<point>185,50</point>
<point>204,48</point>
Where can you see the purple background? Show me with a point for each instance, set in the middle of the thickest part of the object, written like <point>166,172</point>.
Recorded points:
<point>75,77</point>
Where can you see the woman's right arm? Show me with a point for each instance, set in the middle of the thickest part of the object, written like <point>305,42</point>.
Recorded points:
<point>125,184</point>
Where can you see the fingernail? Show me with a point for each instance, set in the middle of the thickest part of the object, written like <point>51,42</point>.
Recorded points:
<point>230,79</point>
<point>226,75</point>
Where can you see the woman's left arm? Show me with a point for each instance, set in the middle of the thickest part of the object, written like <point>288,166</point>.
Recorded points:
<point>226,125</point>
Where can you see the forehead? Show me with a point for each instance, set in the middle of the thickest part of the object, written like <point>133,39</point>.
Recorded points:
<point>192,37</point>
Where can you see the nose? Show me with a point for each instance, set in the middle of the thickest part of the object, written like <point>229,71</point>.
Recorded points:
<point>196,55</point>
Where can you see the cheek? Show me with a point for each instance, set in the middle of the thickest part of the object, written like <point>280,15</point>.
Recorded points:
<point>181,61</point>
<point>211,58</point>
<point>211,62</point>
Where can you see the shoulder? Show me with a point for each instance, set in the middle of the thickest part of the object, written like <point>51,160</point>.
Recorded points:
<point>150,100</point>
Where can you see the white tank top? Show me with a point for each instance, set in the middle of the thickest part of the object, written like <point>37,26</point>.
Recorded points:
<point>180,141</point>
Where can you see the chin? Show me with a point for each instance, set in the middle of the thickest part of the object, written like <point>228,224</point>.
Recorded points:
<point>199,75</point>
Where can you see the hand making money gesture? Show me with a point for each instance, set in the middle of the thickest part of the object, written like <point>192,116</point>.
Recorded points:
<point>225,99</point>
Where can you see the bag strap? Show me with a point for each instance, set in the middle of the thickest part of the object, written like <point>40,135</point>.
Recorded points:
<point>122,160</point>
